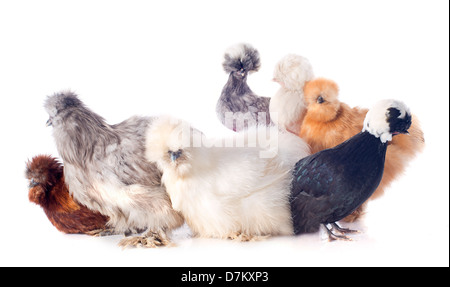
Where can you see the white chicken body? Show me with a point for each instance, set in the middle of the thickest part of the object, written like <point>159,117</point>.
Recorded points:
<point>286,108</point>
<point>226,191</point>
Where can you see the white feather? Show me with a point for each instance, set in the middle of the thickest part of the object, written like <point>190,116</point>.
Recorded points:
<point>287,106</point>
<point>223,191</point>
<point>375,121</point>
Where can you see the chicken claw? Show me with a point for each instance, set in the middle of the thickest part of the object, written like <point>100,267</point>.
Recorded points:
<point>342,232</point>
<point>242,237</point>
<point>101,232</point>
<point>150,240</point>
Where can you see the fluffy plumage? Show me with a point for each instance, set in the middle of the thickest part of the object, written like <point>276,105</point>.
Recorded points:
<point>331,184</point>
<point>48,190</point>
<point>106,170</point>
<point>287,107</point>
<point>329,122</point>
<point>235,190</point>
<point>238,106</point>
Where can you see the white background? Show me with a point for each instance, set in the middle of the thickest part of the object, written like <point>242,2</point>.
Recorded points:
<point>164,57</point>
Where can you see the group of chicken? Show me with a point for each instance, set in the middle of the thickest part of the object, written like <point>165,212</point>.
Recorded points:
<point>300,160</point>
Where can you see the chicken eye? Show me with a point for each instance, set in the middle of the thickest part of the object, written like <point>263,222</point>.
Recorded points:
<point>33,183</point>
<point>320,99</point>
<point>175,155</point>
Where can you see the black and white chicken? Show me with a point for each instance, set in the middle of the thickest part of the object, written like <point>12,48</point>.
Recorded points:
<point>331,184</point>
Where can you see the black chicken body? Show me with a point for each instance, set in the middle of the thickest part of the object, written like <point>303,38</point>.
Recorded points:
<point>322,192</point>
<point>331,184</point>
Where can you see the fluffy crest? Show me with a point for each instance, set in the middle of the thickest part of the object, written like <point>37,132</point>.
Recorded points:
<point>241,58</point>
<point>78,131</point>
<point>293,71</point>
<point>60,105</point>
<point>43,173</point>
<point>387,118</point>
<point>44,170</point>
<point>321,97</point>
<point>61,101</point>
<point>168,137</point>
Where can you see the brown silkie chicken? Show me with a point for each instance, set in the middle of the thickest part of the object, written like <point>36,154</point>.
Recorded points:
<point>329,122</point>
<point>48,190</point>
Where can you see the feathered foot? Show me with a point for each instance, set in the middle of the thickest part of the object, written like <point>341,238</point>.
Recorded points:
<point>342,232</point>
<point>242,237</point>
<point>150,240</point>
<point>133,231</point>
<point>101,232</point>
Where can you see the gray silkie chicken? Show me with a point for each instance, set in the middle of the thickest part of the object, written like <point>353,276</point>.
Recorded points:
<point>331,184</point>
<point>238,106</point>
<point>105,170</point>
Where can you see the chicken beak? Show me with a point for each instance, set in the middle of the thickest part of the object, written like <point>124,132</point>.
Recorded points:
<point>33,183</point>
<point>175,155</point>
<point>49,122</point>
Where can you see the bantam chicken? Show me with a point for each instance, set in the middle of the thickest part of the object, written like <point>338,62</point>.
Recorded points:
<point>330,184</point>
<point>105,170</point>
<point>287,107</point>
<point>329,122</point>
<point>238,106</point>
<point>48,190</point>
<point>238,191</point>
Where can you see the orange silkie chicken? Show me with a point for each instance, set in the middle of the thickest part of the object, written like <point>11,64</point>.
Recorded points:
<point>47,188</point>
<point>329,122</point>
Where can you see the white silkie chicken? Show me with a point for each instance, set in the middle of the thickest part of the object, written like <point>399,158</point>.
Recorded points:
<point>236,188</point>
